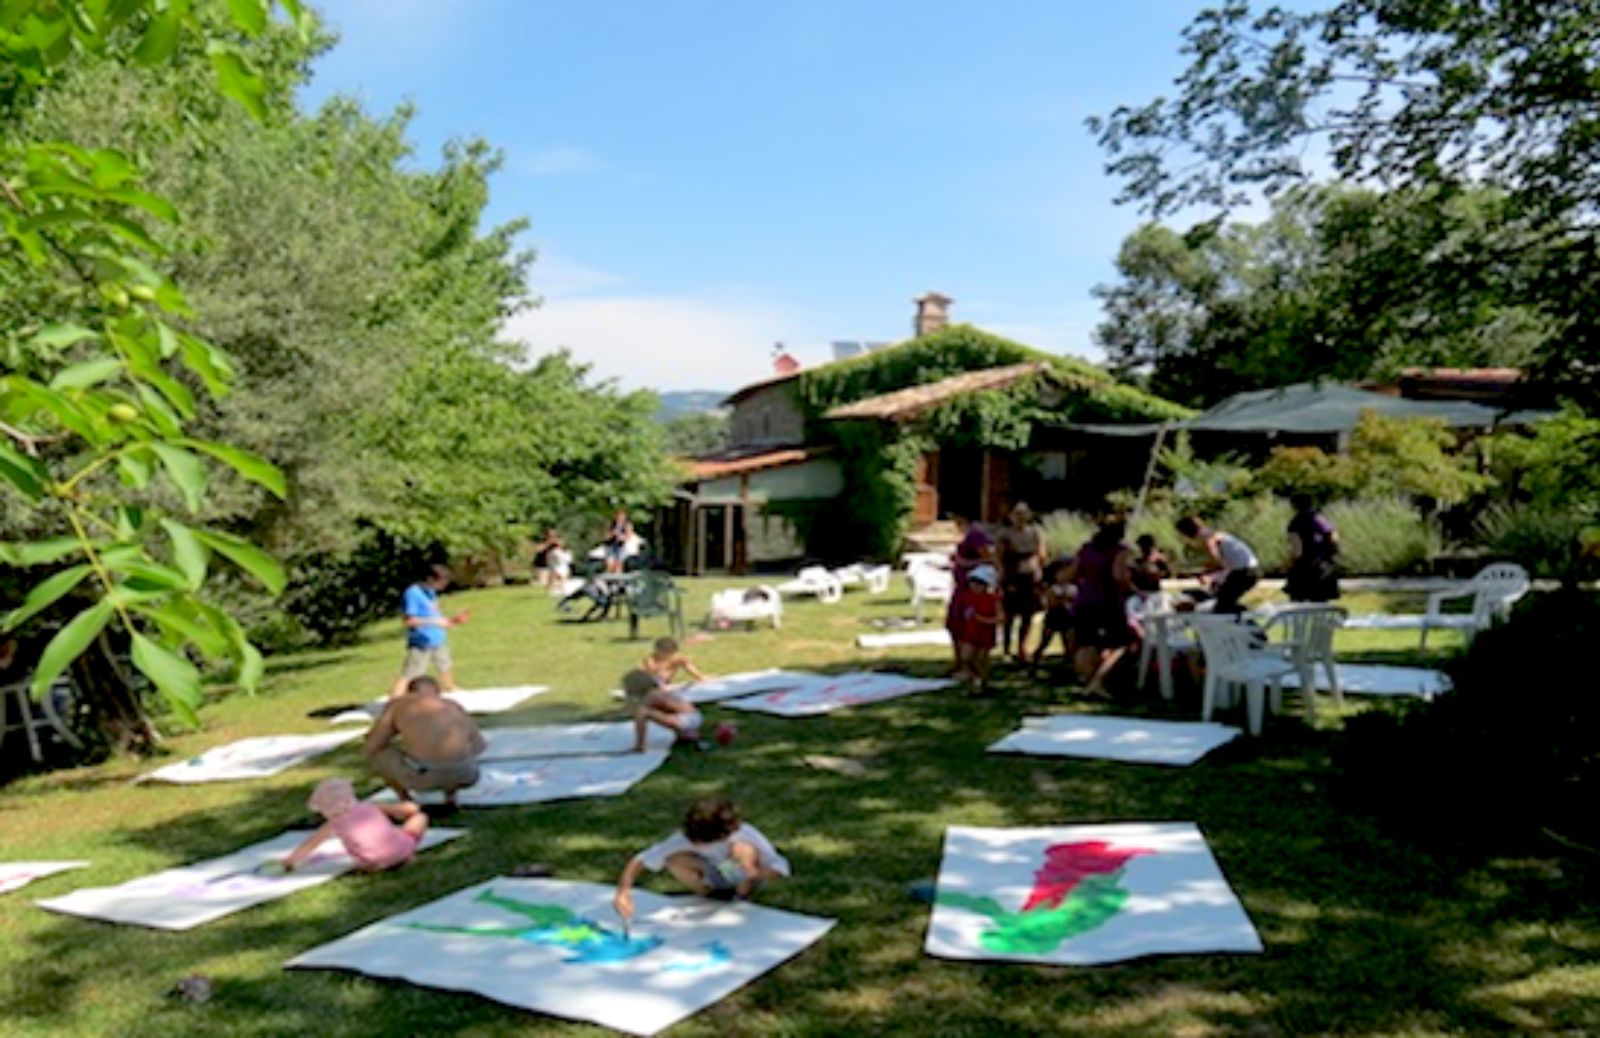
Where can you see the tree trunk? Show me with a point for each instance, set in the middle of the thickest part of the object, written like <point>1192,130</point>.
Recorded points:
<point>108,696</point>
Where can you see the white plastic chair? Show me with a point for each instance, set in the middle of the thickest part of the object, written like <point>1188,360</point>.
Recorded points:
<point>1305,637</point>
<point>1493,590</point>
<point>742,605</point>
<point>874,578</point>
<point>1231,662</point>
<point>929,584</point>
<point>29,722</point>
<point>814,580</point>
<point>1165,635</point>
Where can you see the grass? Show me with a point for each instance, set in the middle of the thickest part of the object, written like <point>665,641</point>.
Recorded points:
<point>1366,934</point>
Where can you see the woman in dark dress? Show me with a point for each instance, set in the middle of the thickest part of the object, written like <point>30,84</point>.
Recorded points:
<point>1103,573</point>
<point>1313,554</point>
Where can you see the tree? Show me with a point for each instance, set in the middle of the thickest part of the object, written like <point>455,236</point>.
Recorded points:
<point>695,433</point>
<point>101,380</point>
<point>1430,95</point>
<point>1335,283</point>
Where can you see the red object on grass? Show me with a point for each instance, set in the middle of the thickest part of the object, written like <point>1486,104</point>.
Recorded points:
<point>726,732</point>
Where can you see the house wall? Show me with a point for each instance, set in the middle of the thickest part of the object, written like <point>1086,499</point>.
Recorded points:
<point>768,417</point>
<point>773,538</point>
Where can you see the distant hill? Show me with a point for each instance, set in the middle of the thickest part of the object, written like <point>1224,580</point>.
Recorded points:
<point>677,402</point>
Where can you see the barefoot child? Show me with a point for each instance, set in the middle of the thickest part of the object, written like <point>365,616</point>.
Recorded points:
<point>368,831</point>
<point>665,661</point>
<point>650,700</point>
<point>717,855</point>
<point>1058,595</point>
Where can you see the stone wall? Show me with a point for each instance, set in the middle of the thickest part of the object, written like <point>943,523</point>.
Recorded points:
<point>768,417</point>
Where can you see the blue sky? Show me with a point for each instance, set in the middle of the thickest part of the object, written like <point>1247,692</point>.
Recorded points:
<point>707,178</point>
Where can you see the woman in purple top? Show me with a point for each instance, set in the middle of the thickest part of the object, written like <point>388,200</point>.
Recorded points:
<point>1103,573</point>
<point>1313,554</point>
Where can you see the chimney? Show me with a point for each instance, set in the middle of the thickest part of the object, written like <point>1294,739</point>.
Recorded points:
<point>933,313</point>
<point>783,362</point>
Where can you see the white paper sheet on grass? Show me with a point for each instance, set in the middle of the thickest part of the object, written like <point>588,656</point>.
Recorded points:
<point>837,693</point>
<point>561,950</point>
<point>535,780</point>
<point>732,686</point>
<point>1369,679</point>
<point>904,639</point>
<point>190,895</point>
<point>1130,739</point>
<point>472,700</point>
<point>250,758</point>
<point>14,875</point>
<point>1112,892</point>
<point>570,740</point>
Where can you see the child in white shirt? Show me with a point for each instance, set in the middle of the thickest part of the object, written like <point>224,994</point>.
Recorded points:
<point>717,855</point>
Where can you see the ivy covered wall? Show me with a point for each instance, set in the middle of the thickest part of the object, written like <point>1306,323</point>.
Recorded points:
<point>873,514</point>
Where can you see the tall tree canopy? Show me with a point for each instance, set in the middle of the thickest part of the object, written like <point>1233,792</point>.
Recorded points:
<point>1335,283</point>
<point>1424,94</point>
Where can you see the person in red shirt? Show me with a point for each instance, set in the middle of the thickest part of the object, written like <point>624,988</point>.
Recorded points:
<point>980,614</point>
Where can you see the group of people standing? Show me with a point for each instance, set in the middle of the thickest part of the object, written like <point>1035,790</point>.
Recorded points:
<point>1006,579</point>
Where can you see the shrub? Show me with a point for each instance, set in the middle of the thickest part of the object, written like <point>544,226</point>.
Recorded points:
<point>1384,536</point>
<point>1065,532</point>
<point>1513,751</point>
<point>1544,538</point>
<point>1261,522</point>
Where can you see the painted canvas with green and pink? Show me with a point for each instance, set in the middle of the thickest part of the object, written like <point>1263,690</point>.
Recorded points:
<point>1081,895</point>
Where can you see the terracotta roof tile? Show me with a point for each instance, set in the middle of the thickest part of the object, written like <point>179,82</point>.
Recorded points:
<point>914,400</point>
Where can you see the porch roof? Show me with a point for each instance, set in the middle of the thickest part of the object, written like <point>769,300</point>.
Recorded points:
<point>907,403</point>
<point>740,460</point>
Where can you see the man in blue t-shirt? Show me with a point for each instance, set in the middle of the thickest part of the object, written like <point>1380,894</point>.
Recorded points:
<point>425,627</point>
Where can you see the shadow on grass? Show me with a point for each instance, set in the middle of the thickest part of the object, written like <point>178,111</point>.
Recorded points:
<point>1365,933</point>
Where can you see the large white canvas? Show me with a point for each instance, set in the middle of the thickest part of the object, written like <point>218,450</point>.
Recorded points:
<point>904,639</point>
<point>1130,739</point>
<point>732,686</point>
<point>846,690</point>
<point>570,740</point>
<point>1370,679</point>
<point>472,700</point>
<point>561,950</point>
<point>250,758</point>
<point>535,780</point>
<point>14,875</point>
<point>190,895</point>
<point>1098,893</point>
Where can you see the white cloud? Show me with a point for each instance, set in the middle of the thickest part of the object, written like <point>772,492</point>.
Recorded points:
<point>659,342</point>
<point>556,277</point>
<point>563,160</point>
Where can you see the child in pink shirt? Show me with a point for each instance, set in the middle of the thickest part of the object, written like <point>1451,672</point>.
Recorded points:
<point>368,831</point>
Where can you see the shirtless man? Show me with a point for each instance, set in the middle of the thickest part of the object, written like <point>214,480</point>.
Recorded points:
<point>438,743</point>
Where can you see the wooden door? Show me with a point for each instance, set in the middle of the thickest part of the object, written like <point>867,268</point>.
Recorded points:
<point>927,506</point>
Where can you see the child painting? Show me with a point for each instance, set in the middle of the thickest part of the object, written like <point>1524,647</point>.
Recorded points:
<point>377,836</point>
<point>1059,592</point>
<point>717,855</point>
<point>665,661</point>
<point>652,702</point>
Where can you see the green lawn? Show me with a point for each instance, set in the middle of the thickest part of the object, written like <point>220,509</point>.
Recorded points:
<point>1365,933</point>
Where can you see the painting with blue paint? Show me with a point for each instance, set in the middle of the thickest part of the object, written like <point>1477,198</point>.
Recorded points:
<point>557,926</point>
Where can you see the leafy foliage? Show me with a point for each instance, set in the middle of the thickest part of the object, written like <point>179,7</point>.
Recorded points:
<point>1407,457</point>
<point>1336,283</point>
<point>695,433</point>
<point>1425,96</point>
<point>1491,765</point>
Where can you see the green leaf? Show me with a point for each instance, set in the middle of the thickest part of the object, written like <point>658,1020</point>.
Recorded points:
<point>187,551</point>
<point>205,361</point>
<point>172,621</point>
<point>249,15</point>
<point>268,570</point>
<point>36,553</point>
<point>60,336</point>
<point>45,594</point>
<point>137,467</point>
<point>252,668</point>
<point>155,205</point>
<point>68,645</point>
<point>238,81</point>
<point>142,576</point>
<point>89,373</point>
<point>27,475</point>
<point>161,37</point>
<point>160,413</point>
<point>185,471</point>
<point>253,467</point>
<point>170,672</point>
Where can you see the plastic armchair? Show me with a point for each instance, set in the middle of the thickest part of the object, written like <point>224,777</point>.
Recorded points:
<point>1164,637</point>
<point>930,585</point>
<point>815,580</point>
<point>1304,636</point>
<point>1493,590</point>
<point>1231,662</point>
<point>654,594</point>
<point>746,605</point>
